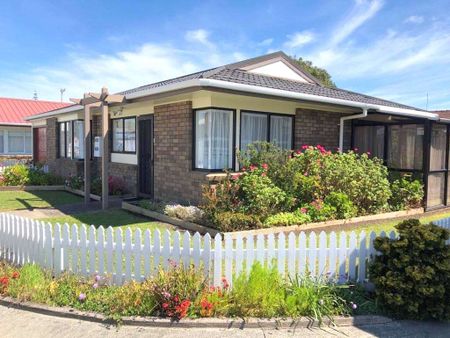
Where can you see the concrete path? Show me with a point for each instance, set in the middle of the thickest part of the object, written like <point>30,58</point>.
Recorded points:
<point>18,323</point>
<point>63,210</point>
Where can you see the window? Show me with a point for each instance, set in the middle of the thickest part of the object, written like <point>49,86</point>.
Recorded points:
<point>2,144</point>
<point>256,126</point>
<point>19,142</point>
<point>406,146</point>
<point>370,139</point>
<point>213,139</point>
<point>124,135</point>
<point>78,139</point>
<point>71,139</point>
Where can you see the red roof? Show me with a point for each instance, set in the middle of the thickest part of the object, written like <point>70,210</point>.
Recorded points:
<point>445,114</point>
<point>13,111</point>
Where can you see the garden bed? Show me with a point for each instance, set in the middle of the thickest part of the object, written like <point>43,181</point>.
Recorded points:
<point>32,187</point>
<point>194,227</point>
<point>224,323</point>
<point>132,207</point>
<point>96,197</point>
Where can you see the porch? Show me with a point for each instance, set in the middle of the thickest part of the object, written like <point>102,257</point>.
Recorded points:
<point>411,145</point>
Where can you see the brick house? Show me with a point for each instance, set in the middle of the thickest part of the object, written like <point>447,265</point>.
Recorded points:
<point>169,138</point>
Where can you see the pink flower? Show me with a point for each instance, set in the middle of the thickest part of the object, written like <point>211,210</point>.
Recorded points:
<point>265,166</point>
<point>82,297</point>
<point>303,210</point>
<point>95,286</point>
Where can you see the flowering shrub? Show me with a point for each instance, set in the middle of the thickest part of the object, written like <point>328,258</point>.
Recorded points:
<point>412,273</point>
<point>117,185</point>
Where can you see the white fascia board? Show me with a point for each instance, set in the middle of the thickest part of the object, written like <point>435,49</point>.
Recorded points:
<point>15,124</point>
<point>50,113</point>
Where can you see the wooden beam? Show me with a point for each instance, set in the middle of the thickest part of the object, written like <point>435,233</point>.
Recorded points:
<point>115,98</point>
<point>76,101</point>
<point>87,154</point>
<point>105,151</point>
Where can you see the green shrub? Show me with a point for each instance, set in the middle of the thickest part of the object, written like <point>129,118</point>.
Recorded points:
<point>406,192</point>
<point>314,298</point>
<point>235,221</point>
<point>287,218</point>
<point>259,153</point>
<point>75,182</point>
<point>16,175</point>
<point>319,211</point>
<point>259,195</point>
<point>342,204</point>
<point>260,293</point>
<point>412,273</point>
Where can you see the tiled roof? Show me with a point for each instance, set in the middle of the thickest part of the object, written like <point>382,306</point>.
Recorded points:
<point>445,114</point>
<point>15,110</point>
<point>233,73</point>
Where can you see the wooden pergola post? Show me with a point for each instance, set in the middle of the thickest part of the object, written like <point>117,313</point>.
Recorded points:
<point>95,100</point>
<point>105,154</point>
<point>87,153</point>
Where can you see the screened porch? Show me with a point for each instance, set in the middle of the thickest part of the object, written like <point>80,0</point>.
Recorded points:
<point>409,145</point>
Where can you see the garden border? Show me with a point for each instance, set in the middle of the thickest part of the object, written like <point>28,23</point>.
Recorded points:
<point>225,323</point>
<point>272,230</point>
<point>32,187</point>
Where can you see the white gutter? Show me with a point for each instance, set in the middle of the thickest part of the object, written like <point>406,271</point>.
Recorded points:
<point>341,126</point>
<point>256,90</point>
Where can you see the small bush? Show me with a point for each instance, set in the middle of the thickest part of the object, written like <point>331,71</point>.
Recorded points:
<point>342,204</point>
<point>406,192</point>
<point>412,273</point>
<point>319,211</point>
<point>152,205</point>
<point>287,218</point>
<point>185,213</point>
<point>16,175</point>
<point>260,293</point>
<point>75,182</point>
<point>117,185</point>
<point>236,221</point>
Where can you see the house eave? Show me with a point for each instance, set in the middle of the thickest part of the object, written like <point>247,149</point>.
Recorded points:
<point>245,88</point>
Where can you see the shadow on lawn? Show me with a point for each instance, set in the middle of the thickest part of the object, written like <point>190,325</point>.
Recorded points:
<point>46,199</point>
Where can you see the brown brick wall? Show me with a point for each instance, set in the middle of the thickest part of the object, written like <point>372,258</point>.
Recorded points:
<point>174,178</point>
<point>314,127</point>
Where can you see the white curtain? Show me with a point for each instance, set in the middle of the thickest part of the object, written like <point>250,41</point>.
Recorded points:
<point>281,131</point>
<point>78,139</point>
<point>214,139</point>
<point>253,128</point>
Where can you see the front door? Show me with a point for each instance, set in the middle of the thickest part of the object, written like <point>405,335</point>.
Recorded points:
<point>40,144</point>
<point>146,155</point>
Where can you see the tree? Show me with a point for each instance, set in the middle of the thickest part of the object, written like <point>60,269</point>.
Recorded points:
<point>321,74</point>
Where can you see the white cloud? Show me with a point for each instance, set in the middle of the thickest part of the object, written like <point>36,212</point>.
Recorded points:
<point>414,19</point>
<point>80,72</point>
<point>299,39</point>
<point>361,12</point>
<point>266,42</point>
<point>199,36</point>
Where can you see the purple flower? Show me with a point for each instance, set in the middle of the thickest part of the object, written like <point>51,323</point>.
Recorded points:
<point>354,306</point>
<point>95,286</point>
<point>82,297</point>
<point>98,278</point>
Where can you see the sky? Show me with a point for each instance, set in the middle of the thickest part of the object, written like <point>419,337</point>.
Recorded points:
<point>394,49</point>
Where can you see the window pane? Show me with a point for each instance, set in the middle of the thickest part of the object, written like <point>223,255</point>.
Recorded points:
<point>118,135</point>
<point>436,187</point>
<point>2,147</point>
<point>405,146</point>
<point>78,139</point>
<point>130,134</point>
<point>370,139</point>
<point>214,139</point>
<point>69,139</point>
<point>28,143</point>
<point>16,142</point>
<point>62,142</point>
<point>281,131</point>
<point>438,146</point>
<point>253,128</point>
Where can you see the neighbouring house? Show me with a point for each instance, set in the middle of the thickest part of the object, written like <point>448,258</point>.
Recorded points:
<point>16,140</point>
<point>169,138</point>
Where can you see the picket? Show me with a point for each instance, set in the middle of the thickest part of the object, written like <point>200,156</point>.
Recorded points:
<point>133,256</point>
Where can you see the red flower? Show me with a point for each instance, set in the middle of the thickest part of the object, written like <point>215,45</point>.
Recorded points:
<point>165,305</point>
<point>265,166</point>
<point>225,283</point>
<point>252,167</point>
<point>15,275</point>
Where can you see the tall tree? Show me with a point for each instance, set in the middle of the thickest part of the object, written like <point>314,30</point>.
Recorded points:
<point>321,74</point>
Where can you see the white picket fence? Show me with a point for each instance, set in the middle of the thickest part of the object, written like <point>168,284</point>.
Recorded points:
<point>127,256</point>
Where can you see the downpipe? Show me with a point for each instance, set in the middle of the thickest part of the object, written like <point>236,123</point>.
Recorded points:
<point>341,126</point>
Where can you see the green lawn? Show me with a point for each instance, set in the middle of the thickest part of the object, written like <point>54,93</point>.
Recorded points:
<point>115,218</point>
<point>21,200</point>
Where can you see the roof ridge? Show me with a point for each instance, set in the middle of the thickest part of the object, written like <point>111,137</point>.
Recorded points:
<point>33,100</point>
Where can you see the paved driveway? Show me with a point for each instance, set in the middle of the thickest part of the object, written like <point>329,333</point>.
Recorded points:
<point>18,323</point>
